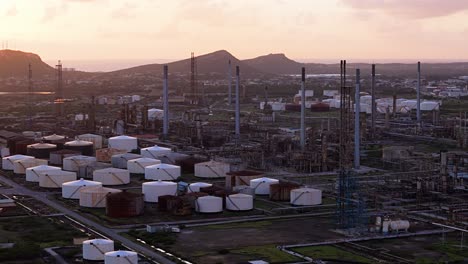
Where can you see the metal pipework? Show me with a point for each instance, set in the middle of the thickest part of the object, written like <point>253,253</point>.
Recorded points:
<point>418,94</point>
<point>165,103</point>
<point>237,103</point>
<point>303,110</point>
<point>229,83</point>
<point>357,113</point>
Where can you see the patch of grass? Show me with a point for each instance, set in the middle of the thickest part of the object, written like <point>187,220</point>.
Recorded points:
<point>450,252</point>
<point>267,252</point>
<point>155,239</point>
<point>331,253</point>
<point>256,224</point>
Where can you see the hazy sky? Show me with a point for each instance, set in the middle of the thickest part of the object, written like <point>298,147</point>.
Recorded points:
<point>303,29</point>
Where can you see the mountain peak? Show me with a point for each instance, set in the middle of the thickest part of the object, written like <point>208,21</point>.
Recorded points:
<point>276,63</point>
<point>14,63</point>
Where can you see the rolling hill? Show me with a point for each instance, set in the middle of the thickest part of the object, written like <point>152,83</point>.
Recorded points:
<point>14,63</point>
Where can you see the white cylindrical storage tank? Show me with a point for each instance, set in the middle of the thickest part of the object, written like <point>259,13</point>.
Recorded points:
<point>409,104</point>
<point>96,139</point>
<point>53,138</point>
<point>95,249</point>
<point>20,166</point>
<point>8,163</point>
<point>195,187</point>
<point>429,106</point>
<point>95,197</point>
<point>239,202</point>
<point>244,189</point>
<point>164,172</point>
<point>71,190</point>
<point>55,178</point>
<point>73,163</point>
<point>41,150</point>
<point>121,257</point>
<point>137,166</point>
<point>123,142</point>
<point>112,176</point>
<point>32,174</point>
<point>154,152</point>
<point>209,204</point>
<point>306,196</point>
<point>155,114</point>
<point>212,169</point>
<point>399,225</point>
<point>152,190</point>
<point>120,160</point>
<point>262,185</point>
<point>85,147</point>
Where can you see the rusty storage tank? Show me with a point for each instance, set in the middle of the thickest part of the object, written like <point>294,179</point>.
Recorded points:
<point>320,107</point>
<point>191,198</point>
<point>282,191</point>
<point>223,194</point>
<point>11,144</point>
<point>236,178</point>
<point>41,150</point>
<point>293,107</point>
<point>124,204</point>
<point>56,157</point>
<point>166,202</point>
<point>85,147</point>
<point>211,190</point>
<point>21,147</point>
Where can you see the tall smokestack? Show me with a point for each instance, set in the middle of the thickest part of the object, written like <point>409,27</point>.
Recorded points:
<point>59,93</point>
<point>373,110</point>
<point>237,103</point>
<point>229,83</point>
<point>418,98</point>
<point>303,109</point>
<point>357,130</point>
<point>165,104</point>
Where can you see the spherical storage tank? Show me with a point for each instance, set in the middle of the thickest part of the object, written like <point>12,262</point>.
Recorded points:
<point>123,142</point>
<point>95,196</point>
<point>195,187</point>
<point>152,190</point>
<point>95,249</point>
<point>75,162</point>
<point>71,190</point>
<point>124,204</point>
<point>212,169</point>
<point>137,166</point>
<point>112,176</point>
<point>8,163</point>
<point>120,160</point>
<point>85,147</point>
<point>306,196</point>
<point>121,257</point>
<point>55,178</point>
<point>239,202</point>
<point>165,172</point>
<point>262,185</point>
<point>154,152</point>
<point>41,150</point>
<point>32,174</point>
<point>95,139</point>
<point>20,166</point>
<point>209,204</point>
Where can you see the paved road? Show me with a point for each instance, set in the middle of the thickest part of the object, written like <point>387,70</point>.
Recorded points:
<point>20,190</point>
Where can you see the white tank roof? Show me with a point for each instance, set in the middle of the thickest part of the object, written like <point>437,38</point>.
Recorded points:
<point>80,157</point>
<point>82,182</point>
<point>42,146</point>
<point>110,170</point>
<point>159,183</point>
<point>195,187</point>
<point>143,160</point>
<point>121,253</point>
<point>53,137</point>
<point>264,179</point>
<point>156,148</point>
<point>90,136</point>
<point>98,241</point>
<point>59,173</point>
<point>78,143</point>
<point>18,157</point>
<point>99,189</point>
<point>43,168</point>
<point>123,137</point>
<point>163,166</point>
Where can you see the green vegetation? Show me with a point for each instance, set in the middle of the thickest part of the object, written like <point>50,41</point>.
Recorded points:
<point>268,252</point>
<point>450,253</point>
<point>155,239</point>
<point>330,253</point>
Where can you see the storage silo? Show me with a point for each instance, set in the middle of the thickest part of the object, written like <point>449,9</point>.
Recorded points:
<point>20,166</point>
<point>32,174</point>
<point>209,204</point>
<point>8,163</point>
<point>41,150</point>
<point>73,163</point>
<point>95,249</point>
<point>120,160</point>
<point>152,190</point>
<point>55,178</point>
<point>124,204</point>
<point>262,185</point>
<point>121,257</point>
<point>96,139</point>
<point>123,142</point>
<point>306,196</point>
<point>212,169</point>
<point>71,189</point>
<point>112,176</point>
<point>165,172</point>
<point>243,177</point>
<point>56,157</point>
<point>95,197</point>
<point>154,152</point>
<point>85,147</point>
<point>137,166</point>
<point>239,202</point>
<point>195,187</point>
